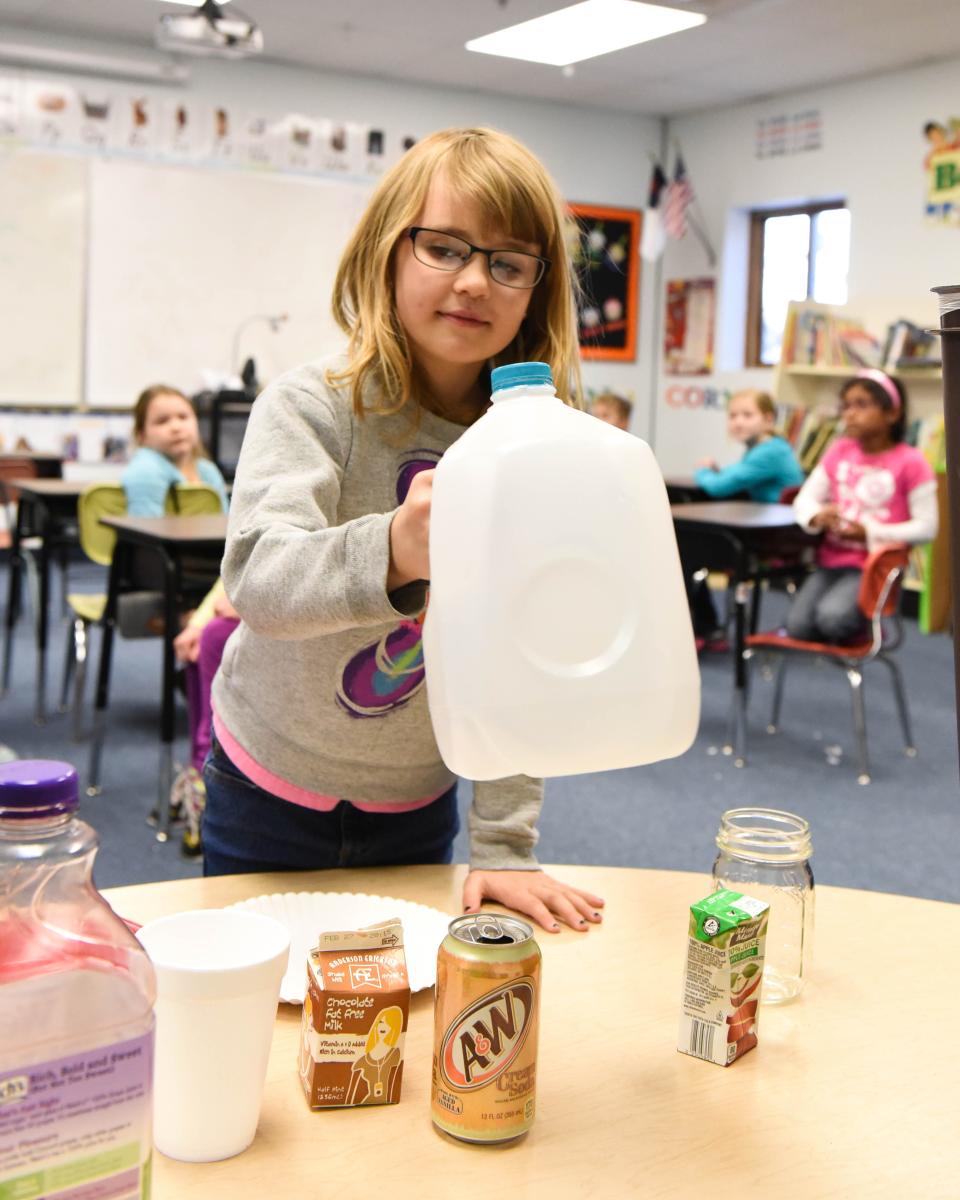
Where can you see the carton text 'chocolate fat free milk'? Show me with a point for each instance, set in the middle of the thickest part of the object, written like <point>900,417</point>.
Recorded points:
<point>355,1017</point>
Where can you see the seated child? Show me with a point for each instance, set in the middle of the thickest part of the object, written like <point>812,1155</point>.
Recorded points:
<point>766,468</point>
<point>200,648</point>
<point>170,452</point>
<point>768,464</point>
<point>869,488</point>
<point>613,409</point>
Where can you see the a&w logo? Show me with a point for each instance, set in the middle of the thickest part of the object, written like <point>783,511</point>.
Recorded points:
<point>486,1037</point>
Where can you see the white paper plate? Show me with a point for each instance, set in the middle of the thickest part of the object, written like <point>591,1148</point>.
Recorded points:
<point>307,914</point>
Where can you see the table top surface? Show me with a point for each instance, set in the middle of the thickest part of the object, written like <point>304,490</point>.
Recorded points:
<point>210,528</point>
<point>29,456</point>
<point>65,489</point>
<point>852,1091</point>
<point>737,514</point>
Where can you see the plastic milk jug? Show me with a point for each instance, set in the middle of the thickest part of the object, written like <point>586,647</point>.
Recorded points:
<point>76,1005</point>
<point>557,638</point>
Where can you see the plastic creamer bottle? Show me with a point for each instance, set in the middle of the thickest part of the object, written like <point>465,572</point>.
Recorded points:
<point>76,1006</point>
<point>557,638</point>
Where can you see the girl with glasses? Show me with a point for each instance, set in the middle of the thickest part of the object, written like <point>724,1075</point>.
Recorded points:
<point>324,754</point>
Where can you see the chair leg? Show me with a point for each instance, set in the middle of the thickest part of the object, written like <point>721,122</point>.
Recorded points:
<point>69,662</point>
<point>774,725</point>
<point>855,679</point>
<point>80,649</point>
<point>737,732</point>
<point>900,696</point>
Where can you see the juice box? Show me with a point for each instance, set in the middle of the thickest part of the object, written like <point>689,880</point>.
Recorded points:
<point>722,978</point>
<point>355,1014</point>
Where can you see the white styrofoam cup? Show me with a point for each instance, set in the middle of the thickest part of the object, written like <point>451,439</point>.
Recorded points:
<point>218,982</point>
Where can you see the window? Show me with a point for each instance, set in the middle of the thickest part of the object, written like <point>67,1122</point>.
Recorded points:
<point>795,254</point>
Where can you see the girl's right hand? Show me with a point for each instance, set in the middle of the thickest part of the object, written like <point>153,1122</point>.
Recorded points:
<point>410,534</point>
<point>826,518</point>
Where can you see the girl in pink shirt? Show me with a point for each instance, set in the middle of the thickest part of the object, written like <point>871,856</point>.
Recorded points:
<point>868,489</point>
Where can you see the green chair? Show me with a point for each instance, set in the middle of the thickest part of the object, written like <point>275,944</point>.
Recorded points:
<point>138,611</point>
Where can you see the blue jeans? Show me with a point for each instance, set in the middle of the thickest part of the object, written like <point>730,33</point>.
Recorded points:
<point>248,829</point>
<point>825,607</point>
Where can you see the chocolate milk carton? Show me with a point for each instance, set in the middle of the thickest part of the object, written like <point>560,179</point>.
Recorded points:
<point>723,975</point>
<point>355,1017</point>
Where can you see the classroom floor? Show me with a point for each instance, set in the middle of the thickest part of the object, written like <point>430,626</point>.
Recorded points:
<point>900,834</point>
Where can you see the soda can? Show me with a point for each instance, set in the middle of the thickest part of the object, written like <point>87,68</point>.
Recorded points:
<point>486,1021</point>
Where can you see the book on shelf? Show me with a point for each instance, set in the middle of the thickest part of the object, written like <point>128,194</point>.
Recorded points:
<point>907,345</point>
<point>813,337</point>
<point>927,434</point>
<point>808,431</point>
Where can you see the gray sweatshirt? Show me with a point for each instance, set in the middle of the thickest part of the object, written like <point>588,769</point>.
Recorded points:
<point>322,683</point>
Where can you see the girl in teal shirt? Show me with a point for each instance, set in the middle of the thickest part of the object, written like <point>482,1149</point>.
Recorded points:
<point>769,464</point>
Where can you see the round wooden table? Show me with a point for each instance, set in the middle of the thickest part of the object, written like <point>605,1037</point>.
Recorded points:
<point>851,1093</point>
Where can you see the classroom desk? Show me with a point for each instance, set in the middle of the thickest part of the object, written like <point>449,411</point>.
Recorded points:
<point>682,489</point>
<point>47,466</point>
<point>850,1093</point>
<point>735,536</point>
<point>172,539</point>
<point>46,510</point>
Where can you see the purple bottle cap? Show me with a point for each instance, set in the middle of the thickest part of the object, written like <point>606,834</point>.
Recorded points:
<point>38,788</point>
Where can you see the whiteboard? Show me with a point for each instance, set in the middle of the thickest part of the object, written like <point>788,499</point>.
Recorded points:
<point>181,259</point>
<point>43,216</point>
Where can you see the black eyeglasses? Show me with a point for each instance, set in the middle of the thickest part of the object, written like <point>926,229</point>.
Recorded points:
<point>444,252</point>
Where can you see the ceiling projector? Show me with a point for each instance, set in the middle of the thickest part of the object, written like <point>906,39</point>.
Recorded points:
<point>209,30</point>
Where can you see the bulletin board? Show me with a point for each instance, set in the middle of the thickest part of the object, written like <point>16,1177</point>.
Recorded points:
<point>43,217</point>
<point>605,244</point>
<point>180,259</point>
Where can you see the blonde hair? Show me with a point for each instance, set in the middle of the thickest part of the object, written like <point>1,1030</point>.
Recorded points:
<point>394,1018</point>
<point>763,400</point>
<point>513,192</point>
<point>620,404</point>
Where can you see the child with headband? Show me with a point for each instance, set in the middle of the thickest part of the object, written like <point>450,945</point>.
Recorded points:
<point>869,488</point>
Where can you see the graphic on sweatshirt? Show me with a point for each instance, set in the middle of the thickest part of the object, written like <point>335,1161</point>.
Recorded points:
<point>388,673</point>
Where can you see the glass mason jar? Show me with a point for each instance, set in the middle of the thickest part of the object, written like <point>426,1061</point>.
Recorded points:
<point>765,853</point>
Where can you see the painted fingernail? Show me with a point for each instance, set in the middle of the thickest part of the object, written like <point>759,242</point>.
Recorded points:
<point>597,915</point>
<point>554,926</point>
<point>582,922</point>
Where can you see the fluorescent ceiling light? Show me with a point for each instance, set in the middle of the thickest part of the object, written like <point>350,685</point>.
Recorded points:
<point>152,70</point>
<point>585,30</point>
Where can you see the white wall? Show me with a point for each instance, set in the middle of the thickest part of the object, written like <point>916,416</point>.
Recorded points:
<point>596,156</point>
<point>872,155</point>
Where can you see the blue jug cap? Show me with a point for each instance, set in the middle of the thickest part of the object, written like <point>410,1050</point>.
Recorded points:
<point>38,787</point>
<point>525,374</point>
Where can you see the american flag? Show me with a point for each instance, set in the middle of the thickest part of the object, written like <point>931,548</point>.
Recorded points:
<point>679,197</point>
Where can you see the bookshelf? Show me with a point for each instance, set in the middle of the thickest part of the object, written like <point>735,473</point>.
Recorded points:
<point>827,341</point>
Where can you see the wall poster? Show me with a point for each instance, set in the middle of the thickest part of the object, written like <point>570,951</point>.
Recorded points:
<point>688,327</point>
<point>942,166</point>
<point>605,246</point>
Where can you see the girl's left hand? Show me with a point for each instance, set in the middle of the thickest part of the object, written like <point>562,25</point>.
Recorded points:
<point>853,531</point>
<point>536,894</point>
<point>186,645</point>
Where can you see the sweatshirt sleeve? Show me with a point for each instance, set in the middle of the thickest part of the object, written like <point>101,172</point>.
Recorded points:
<point>503,824</point>
<point>290,570</point>
<point>814,494</point>
<point>759,466</point>
<point>922,525</point>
